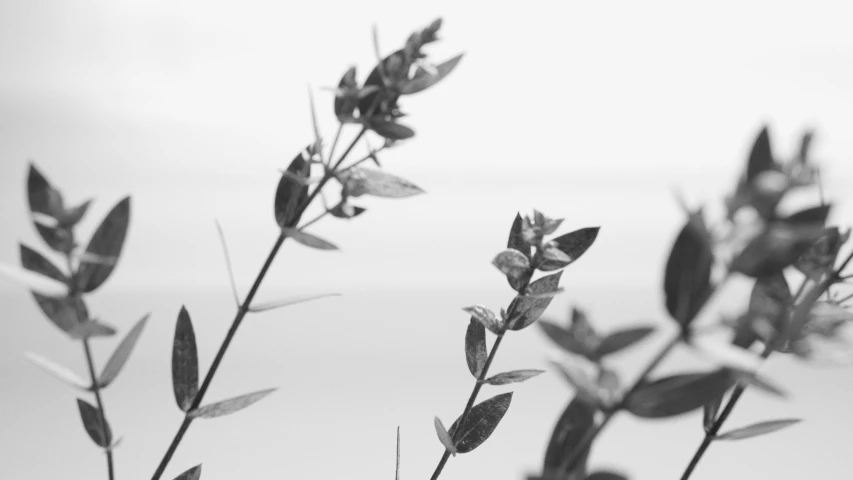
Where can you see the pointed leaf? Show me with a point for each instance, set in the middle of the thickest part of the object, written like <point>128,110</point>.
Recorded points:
<point>530,309</point>
<point>191,474</point>
<point>516,376</point>
<point>33,281</point>
<point>761,156</point>
<point>444,437</point>
<point>290,301</point>
<point>757,429</point>
<point>184,362</point>
<point>367,181</point>
<point>622,339</point>
<point>421,82</point>
<point>91,328</point>
<point>390,130</point>
<point>107,241</point>
<point>516,239</point>
<point>308,239</point>
<point>565,339</point>
<point>121,354</point>
<point>475,347</point>
<point>687,281</point>
<point>58,371</point>
<point>480,423</point>
<point>66,312</point>
<point>291,194</point>
<point>709,413</point>
<point>230,406</point>
<point>486,317</point>
<point>46,201</point>
<point>92,420</point>
<point>36,262</point>
<point>573,245</point>
<point>512,263</point>
<point>678,394</point>
<point>577,419</point>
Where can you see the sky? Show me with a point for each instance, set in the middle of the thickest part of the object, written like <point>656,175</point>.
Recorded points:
<point>593,112</point>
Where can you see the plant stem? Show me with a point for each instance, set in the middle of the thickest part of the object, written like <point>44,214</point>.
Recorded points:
<point>96,389</point>
<point>238,318</point>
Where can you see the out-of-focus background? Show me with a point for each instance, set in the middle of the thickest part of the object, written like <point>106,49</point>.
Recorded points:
<point>595,112</point>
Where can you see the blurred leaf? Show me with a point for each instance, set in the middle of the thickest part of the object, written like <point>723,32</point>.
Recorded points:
<point>425,80</point>
<point>770,298</point>
<point>573,245</point>
<point>709,413</point>
<point>121,354</point>
<point>622,339</point>
<point>58,371</point>
<point>805,146</point>
<point>308,239</point>
<point>444,437</point>
<point>565,339</point>
<point>36,262</point>
<point>229,406</point>
<point>345,210</point>
<point>516,376</point>
<point>98,432</point>
<point>604,475</point>
<point>761,156</point>
<point>346,100</point>
<point>757,429</point>
<point>512,263</point>
<point>530,309</point>
<point>107,241</point>
<point>390,130</point>
<point>360,181</point>
<point>184,362</point>
<point>66,313</point>
<point>71,217</point>
<point>781,244</point>
<point>678,394</point>
<point>91,328</point>
<point>819,259</point>
<point>725,354</point>
<point>291,195</point>
<point>480,423</point>
<point>570,429</point>
<point>290,301</point>
<point>45,200</point>
<point>34,281</point>
<point>760,383</point>
<point>475,347</point>
<point>486,317</point>
<point>687,281</point>
<point>586,388</point>
<point>191,474</point>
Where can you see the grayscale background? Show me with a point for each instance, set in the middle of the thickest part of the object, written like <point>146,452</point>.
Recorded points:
<point>592,111</point>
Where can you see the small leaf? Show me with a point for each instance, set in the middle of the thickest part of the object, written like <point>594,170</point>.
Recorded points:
<point>531,309</point>
<point>184,362</point>
<point>678,394</point>
<point>760,383</point>
<point>761,156</point>
<point>36,282</point>
<point>512,263</point>
<point>58,371</point>
<point>229,406</point>
<point>191,474</point>
<point>107,241</point>
<point>444,437</point>
<point>605,475</point>
<point>480,423</point>
<point>757,429</point>
<point>308,239</point>
<point>291,195</point>
<point>565,339</point>
<point>687,281</point>
<point>121,354</point>
<point>517,242</point>
<point>573,245</point>
<point>421,82</point>
<point>290,301</point>
<point>486,317</point>
<point>622,339</point>
<point>91,328</point>
<point>367,181</point>
<point>36,262</point>
<point>46,201</point>
<point>98,432</point>
<point>390,130</point>
<point>577,419</point>
<point>516,376</point>
<point>475,347</point>
<point>709,413</point>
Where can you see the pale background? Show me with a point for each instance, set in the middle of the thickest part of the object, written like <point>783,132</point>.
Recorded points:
<point>592,111</point>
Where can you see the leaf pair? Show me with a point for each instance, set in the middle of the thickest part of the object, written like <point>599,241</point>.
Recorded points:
<point>477,426</point>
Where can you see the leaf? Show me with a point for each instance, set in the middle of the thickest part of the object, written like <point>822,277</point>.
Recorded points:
<point>107,241</point>
<point>367,181</point>
<point>687,281</point>
<point>480,422</point>
<point>291,195</point>
<point>605,475</point>
<point>725,354</point>
<point>622,339</point>
<point>36,262</point>
<point>678,394</point>
<point>760,383</point>
<point>778,247</point>
<point>444,437</point>
<point>577,419</point>
<point>757,429</point>
<point>33,281</point>
<point>475,347</point>
<point>290,301</point>
<point>46,201</point>
<point>512,263</point>
<point>66,312</point>
<point>191,474</point>
<point>805,146</point>
<point>819,259</point>
<point>516,376</point>
<point>565,339</point>
<point>308,239</point>
<point>184,362</point>
<point>421,82</point>
<point>517,242</point>
<point>586,388</point>
<point>390,130</point>
<point>227,407</point>
<point>709,413</point>
<point>573,245</point>
<point>770,298</point>
<point>121,354</point>
<point>72,216</point>
<point>58,371</point>
<point>98,432</point>
<point>761,156</point>
<point>91,328</point>
<point>530,309</point>
<point>485,317</point>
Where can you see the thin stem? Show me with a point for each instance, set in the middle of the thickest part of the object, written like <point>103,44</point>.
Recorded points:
<point>96,389</point>
<point>335,141</point>
<point>238,318</point>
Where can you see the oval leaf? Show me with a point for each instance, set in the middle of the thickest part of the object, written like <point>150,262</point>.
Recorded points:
<point>91,328</point>
<point>757,429</point>
<point>96,426</point>
<point>229,406</point>
<point>475,347</point>
<point>291,194</point>
<point>516,376</point>
<point>390,130</point>
<point>480,423</point>
<point>191,474</point>
<point>444,437</point>
<point>367,181</point>
<point>58,371</point>
<point>622,339</point>
<point>184,362</point>
<point>107,242</point>
<point>486,317</point>
<point>530,309</point>
<point>572,245</point>
<point>512,263</point>
<point>687,281</point>
<point>425,80</point>
<point>570,429</point>
<point>517,242</point>
<point>678,394</point>
<point>121,354</point>
<point>308,239</point>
